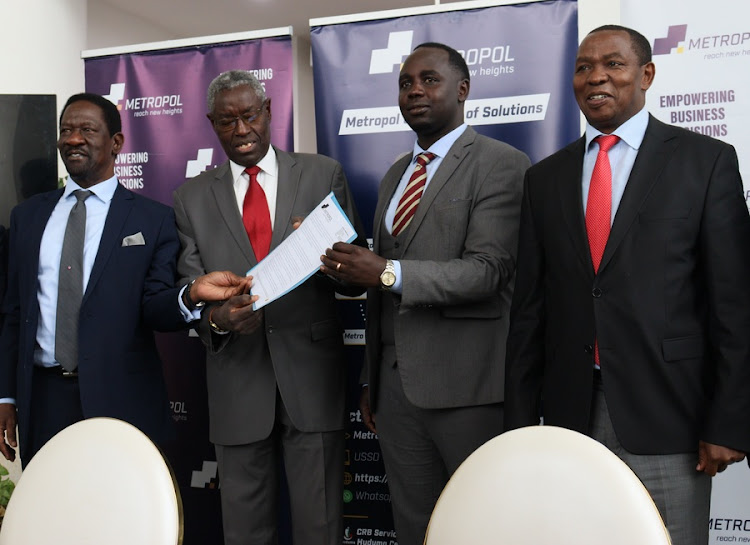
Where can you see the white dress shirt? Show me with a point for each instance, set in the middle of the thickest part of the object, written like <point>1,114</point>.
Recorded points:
<point>268,179</point>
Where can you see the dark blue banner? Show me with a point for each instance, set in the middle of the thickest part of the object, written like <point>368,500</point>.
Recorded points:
<point>520,59</point>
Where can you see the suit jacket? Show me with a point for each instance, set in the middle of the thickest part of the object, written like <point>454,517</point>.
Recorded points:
<point>457,266</point>
<point>670,306</point>
<point>299,348</point>
<point>3,268</point>
<point>130,293</point>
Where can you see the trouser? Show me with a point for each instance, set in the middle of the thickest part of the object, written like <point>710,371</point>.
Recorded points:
<point>682,494</point>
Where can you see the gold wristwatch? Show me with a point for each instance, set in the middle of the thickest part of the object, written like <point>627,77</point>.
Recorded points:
<point>388,276</point>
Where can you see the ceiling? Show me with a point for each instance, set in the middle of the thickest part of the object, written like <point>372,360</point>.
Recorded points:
<point>189,18</point>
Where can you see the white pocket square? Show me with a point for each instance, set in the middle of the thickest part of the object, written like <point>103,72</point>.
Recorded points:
<point>134,240</point>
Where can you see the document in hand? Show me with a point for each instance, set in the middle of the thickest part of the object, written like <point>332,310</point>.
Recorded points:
<point>298,257</point>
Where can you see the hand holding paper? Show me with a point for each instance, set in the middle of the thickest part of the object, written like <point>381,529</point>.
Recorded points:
<point>298,257</point>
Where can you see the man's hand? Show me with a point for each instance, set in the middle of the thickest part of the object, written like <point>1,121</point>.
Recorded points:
<point>353,265</point>
<point>364,407</point>
<point>8,430</point>
<point>713,459</point>
<point>219,286</point>
<point>237,315</point>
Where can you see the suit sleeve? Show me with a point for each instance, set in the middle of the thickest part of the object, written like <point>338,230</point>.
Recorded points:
<point>524,363</point>
<point>725,251</point>
<point>340,188</point>
<point>11,308</point>
<point>190,266</point>
<point>161,310</point>
<point>487,263</point>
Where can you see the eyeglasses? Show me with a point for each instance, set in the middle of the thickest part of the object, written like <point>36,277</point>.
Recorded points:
<point>226,124</point>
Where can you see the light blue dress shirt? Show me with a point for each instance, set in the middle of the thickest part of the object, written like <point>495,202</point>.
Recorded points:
<point>621,157</point>
<point>440,149</point>
<point>50,250</point>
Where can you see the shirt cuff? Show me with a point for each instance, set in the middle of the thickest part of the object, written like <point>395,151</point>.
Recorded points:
<point>10,400</point>
<point>186,314</point>
<point>396,288</point>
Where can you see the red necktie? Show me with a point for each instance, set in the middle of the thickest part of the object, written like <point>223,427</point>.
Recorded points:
<point>599,203</point>
<point>407,206</point>
<point>255,215</point>
<point>599,206</point>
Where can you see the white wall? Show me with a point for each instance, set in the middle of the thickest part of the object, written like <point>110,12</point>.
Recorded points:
<point>111,27</point>
<point>41,41</point>
<point>595,13</point>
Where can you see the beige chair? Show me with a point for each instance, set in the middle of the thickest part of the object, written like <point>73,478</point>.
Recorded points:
<point>544,485</point>
<point>98,482</point>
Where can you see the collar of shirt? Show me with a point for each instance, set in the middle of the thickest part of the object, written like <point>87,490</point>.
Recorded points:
<point>104,191</point>
<point>631,132</point>
<point>622,157</point>
<point>439,148</point>
<point>267,165</point>
<point>267,179</point>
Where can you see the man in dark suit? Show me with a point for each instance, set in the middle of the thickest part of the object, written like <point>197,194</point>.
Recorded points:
<point>638,338</point>
<point>439,288</point>
<point>276,376</point>
<point>126,269</point>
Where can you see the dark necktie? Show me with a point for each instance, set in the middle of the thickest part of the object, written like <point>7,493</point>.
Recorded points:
<point>407,206</point>
<point>70,285</point>
<point>255,215</point>
<point>599,207</point>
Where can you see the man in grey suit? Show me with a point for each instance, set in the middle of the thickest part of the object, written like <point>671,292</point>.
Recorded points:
<point>439,288</point>
<point>276,376</point>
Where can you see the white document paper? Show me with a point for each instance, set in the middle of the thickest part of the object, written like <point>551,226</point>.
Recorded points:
<point>298,257</point>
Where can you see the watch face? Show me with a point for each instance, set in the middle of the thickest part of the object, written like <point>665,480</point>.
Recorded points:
<point>388,279</point>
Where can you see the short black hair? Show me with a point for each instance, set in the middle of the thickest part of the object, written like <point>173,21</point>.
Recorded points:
<point>638,41</point>
<point>454,58</point>
<point>109,110</point>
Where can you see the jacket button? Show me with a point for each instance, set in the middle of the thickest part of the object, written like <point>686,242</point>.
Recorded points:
<point>396,244</point>
<point>596,292</point>
<point>270,329</point>
<point>589,349</point>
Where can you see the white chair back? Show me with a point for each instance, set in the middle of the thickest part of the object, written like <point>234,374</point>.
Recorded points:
<point>545,485</point>
<point>100,481</point>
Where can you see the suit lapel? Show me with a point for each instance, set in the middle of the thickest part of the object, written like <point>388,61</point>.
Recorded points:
<point>571,201</point>
<point>656,149</point>
<point>226,201</point>
<point>455,156</point>
<point>119,209</point>
<point>288,184</point>
<point>385,194</point>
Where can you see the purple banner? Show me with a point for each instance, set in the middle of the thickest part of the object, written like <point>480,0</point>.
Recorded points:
<point>520,58</point>
<point>161,96</point>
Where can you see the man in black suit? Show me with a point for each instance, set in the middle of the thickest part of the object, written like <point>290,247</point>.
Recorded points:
<point>644,344</point>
